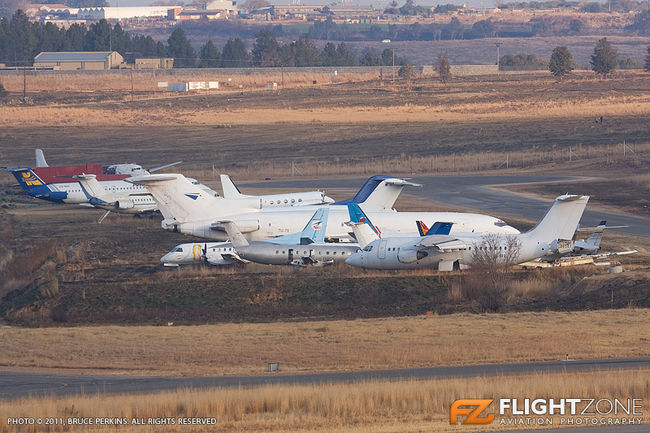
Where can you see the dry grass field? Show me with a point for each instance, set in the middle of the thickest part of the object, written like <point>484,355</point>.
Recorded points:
<point>411,406</point>
<point>333,345</point>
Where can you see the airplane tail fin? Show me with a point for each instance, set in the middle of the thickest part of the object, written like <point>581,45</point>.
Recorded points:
<point>185,201</point>
<point>562,218</point>
<point>236,237</point>
<point>30,182</point>
<point>364,231</point>
<point>314,231</point>
<point>596,237</point>
<point>40,158</point>
<point>438,228</point>
<point>92,188</point>
<point>230,190</point>
<point>379,192</point>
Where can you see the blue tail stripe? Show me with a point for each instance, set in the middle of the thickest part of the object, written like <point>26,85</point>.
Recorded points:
<point>368,187</point>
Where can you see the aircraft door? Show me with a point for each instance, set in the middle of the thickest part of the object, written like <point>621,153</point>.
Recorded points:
<point>290,255</point>
<point>382,249</point>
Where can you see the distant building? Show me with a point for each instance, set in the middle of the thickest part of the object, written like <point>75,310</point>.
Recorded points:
<point>136,61</point>
<point>123,13</point>
<point>82,60</point>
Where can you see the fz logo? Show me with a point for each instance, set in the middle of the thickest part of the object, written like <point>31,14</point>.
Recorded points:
<point>471,408</point>
<point>30,180</point>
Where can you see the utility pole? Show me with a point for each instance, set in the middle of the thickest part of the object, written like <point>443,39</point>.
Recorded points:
<point>24,83</point>
<point>498,44</point>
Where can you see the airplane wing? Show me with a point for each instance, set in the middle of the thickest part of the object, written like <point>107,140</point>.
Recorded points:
<point>442,243</point>
<point>231,257</point>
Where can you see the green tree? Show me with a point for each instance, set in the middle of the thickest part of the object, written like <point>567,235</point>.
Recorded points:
<point>561,62</point>
<point>305,52</point>
<point>210,56</point>
<point>345,55</point>
<point>98,37</point>
<point>266,49</point>
<point>75,37</point>
<point>180,49</point>
<point>407,72</point>
<point>234,54</point>
<point>329,56</point>
<point>605,58</point>
<point>370,58</point>
<point>647,60</point>
<point>444,67</point>
<point>388,57</point>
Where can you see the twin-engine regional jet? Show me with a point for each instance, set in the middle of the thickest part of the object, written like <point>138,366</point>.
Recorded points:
<point>459,250</point>
<point>189,210</point>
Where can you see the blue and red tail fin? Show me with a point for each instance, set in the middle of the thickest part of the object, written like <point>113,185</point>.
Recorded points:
<point>438,228</point>
<point>358,216</point>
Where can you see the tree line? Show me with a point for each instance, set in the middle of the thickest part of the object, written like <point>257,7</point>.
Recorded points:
<point>21,40</point>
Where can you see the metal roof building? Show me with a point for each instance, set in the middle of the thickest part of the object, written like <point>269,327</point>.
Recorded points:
<point>84,60</point>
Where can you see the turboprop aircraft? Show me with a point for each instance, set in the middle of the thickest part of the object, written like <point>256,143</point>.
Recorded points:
<point>459,250</point>
<point>230,191</point>
<point>112,201</point>
<point>212,253</point>
<point>196,213</point>
<point>224,253</point>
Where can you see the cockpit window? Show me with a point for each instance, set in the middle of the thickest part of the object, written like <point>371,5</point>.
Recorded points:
<point>500,223</point>
<point>368,248</point>
<point>178,250</point>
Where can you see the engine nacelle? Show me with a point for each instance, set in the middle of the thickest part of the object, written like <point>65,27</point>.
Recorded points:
<point>244,226</point>
<point>411,255</point>
<point>124,204</point>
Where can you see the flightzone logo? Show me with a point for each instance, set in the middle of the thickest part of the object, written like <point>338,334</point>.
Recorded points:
<point>193,195</point>
<point>541,411</point>
<point>317,225</point>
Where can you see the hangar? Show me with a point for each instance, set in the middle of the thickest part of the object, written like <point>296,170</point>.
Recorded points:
<point>83,60</point>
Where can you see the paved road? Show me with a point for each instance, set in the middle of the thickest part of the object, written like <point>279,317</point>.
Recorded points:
<point>16,384</point>
<point>473,192</point>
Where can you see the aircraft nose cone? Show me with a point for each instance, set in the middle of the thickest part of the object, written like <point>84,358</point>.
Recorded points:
<point>165,258</point>
<point>354,260</point>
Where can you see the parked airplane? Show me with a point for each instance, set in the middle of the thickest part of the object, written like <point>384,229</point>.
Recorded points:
<point>223,253</point>
<point>230,191</point>
<point>589,247</point>
<point>116,202</point>
<point>308,248</point>
<point>57,184</point>
<point>459,250</point>
<point>213,253</point>
<point>200,214</point>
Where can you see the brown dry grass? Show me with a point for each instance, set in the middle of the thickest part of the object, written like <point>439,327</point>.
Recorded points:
<point>148,82</point>
<point>231,348</point>
<point>409,406</point>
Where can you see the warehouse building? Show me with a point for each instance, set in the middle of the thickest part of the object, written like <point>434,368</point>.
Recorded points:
<point>82,60</point>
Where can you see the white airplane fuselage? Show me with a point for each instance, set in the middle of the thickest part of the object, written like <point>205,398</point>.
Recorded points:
<point>270,223</point>
<point>75,194</point>
<point>405,253</point>
<point>198,253</point>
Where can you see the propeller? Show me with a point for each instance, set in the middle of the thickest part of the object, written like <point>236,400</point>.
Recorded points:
<point>204,253</point>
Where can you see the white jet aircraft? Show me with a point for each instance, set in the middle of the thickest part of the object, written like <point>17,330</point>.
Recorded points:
<point>458,250</point>
<point>196,213</point>
<point>230,191</point>
<point>127,203</point>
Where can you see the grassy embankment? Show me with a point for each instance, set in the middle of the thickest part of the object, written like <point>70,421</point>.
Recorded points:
<point>411,406</point>
<point>330,345</point>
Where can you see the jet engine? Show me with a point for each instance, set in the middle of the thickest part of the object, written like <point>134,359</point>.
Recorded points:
<point>124,204</point>
<point>411,255</point>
